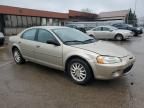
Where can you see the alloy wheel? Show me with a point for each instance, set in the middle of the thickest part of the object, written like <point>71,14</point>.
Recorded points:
<point>78,72</point>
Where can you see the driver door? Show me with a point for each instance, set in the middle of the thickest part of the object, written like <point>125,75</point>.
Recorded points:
<point>106,33</point>
<point>45,53</point>
<point>97,32</point>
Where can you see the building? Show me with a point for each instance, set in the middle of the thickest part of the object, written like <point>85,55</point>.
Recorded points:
<point>104,18</point>
<point>76,16</point>
<point>114,15</point>
<point>14,19</point>
<point>108,18</point>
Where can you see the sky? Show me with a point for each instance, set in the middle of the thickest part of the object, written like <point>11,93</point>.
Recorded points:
<point>96,6</point>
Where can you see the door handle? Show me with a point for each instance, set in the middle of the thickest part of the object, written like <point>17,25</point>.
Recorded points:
<point>37,46</point>
<point>19,42</point>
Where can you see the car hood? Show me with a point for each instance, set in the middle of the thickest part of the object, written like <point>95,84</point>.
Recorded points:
<point>104,48</point>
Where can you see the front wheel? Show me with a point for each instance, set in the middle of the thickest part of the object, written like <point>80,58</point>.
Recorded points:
<point>119,37</point>
<point>18,57</point>
<point>79,71</point>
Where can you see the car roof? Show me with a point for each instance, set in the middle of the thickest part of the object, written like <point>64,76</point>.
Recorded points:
<point>104,26</point>
<point>48,27</point>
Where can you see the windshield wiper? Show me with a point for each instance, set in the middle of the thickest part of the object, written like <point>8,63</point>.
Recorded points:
<point>89,40</point>
<point>74,41</point>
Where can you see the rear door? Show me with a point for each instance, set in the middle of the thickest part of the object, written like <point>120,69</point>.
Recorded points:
<point>97,32</point>
<point>27,43</point>
<point>106,33</point>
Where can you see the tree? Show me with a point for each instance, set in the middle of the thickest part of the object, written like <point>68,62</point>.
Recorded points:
<point>132,18</point>
<point>87,10</point>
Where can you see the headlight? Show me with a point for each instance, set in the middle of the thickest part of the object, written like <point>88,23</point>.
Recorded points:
<point>107,60</point>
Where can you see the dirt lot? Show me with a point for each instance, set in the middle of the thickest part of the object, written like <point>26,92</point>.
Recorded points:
<point>35,86</point>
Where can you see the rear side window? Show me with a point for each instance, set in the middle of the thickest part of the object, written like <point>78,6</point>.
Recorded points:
<point>44,36</point>
<point>97,29</point>
<point>105,29</point>
<point>29,34</point>
<point>118,25</point>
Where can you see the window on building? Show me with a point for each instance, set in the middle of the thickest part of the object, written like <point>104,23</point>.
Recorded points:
<point>34,21</point>
<point>43,22</point>
<point>19,20</point>
<point>7,19</point>
<point>29,20</point>
<point>38,21</point>
<point>55,22</point>
<point>24,20</point>
<point>47,21</point>
<point>29,34</point>
<point>14,21</point>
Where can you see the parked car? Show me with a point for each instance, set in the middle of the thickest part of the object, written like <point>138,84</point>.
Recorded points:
<point>88,28</point>
<point>109,32</point>
<point>71,51</point>
<point>135,30</point>
<point>2,39</point>
<point>82,29</point>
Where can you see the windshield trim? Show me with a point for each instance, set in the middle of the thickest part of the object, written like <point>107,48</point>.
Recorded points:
<point>76,43</point>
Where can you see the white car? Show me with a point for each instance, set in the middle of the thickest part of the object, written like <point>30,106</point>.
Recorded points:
<point>1,38</point>
<point>109,32</point>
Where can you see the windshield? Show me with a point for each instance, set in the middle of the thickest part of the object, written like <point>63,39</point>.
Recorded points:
<point>71,36</point>
<point>112,28</point>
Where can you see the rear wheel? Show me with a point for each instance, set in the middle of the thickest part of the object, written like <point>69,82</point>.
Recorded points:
<point>2,42</point>
<point>135,34</point>
<point>119,37</point>
<point>92,36</point>
<point>17,56</point>
<point>79,71</point>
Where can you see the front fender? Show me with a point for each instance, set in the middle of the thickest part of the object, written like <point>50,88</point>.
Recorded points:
<point>15,45</point>
<point>87,56</point>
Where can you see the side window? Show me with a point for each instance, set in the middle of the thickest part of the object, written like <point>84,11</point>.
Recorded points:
<point>29,34</point>
<point>44,36</point>
<point>119,25</point>
<point>105,29</point>
<point>97,29</point>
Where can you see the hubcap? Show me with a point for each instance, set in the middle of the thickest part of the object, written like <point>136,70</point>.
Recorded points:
<point>17,56</point>
<point>78,72</point>
<point>119,38</point>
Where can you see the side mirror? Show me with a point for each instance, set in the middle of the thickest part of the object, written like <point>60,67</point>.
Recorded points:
<point>53,42</point>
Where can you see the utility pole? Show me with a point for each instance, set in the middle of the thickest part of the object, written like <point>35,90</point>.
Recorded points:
<point>135,8</point>
<point>135,5</point>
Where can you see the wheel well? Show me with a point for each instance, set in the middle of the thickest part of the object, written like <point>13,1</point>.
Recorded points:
<point>119,34</point>
<point>91,35</point>
<point>14,48</point>
<point>76,57</point>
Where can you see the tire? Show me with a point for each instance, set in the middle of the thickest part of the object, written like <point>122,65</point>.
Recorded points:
<point>79,71</point>
<point>119,37</point>
<point>17,56</point>
<point>92,36</point>
<point>2,42</point>
<point>135,34</point>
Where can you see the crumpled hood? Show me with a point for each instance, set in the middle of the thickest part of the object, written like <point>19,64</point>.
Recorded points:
<point>104,48</point>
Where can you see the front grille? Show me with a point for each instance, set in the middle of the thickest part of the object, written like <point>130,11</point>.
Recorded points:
<point>128,68</point>
<point>131,58</point>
